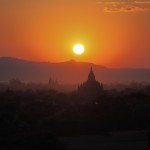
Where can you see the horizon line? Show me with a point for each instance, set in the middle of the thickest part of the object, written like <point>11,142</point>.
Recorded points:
<point>72,60</point>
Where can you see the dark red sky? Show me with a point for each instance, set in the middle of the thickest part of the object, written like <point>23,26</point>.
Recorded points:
<point>114,33</point>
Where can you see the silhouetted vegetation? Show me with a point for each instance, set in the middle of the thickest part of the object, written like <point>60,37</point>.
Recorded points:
<point>67,114</point>
<point>33,118</point>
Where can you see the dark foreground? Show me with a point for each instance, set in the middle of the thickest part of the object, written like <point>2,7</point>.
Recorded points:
<point>37,119</point>
<point>129,140</point>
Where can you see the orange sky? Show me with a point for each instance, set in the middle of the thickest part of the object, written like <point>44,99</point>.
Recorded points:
<point>115,33</point>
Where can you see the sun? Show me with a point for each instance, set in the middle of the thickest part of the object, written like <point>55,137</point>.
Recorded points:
<point>78,49</point>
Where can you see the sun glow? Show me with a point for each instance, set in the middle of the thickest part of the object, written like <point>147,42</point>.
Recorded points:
<point>78,49</point>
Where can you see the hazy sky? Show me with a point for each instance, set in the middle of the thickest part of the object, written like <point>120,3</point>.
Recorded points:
<point>116,33</point>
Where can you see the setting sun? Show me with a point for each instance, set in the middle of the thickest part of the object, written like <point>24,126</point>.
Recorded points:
<point>78,49</point>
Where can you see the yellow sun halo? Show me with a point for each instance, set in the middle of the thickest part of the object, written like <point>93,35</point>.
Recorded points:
<point>78,49</point>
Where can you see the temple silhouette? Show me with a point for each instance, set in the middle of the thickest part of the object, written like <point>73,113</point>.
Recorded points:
<point>90,88</point>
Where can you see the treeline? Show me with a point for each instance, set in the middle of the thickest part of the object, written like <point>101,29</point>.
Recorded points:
<point>71,114</point>
<point>16,85</point>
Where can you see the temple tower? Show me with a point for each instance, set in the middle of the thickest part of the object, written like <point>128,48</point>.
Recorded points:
<point>90,88</point>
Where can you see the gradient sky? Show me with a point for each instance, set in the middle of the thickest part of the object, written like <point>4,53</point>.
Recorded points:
<point>116,33</point>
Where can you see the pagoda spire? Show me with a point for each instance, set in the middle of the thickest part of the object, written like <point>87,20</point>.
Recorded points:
<point>91,76</point>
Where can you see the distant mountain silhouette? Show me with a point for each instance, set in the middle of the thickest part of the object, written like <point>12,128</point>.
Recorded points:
<point>66,72</point>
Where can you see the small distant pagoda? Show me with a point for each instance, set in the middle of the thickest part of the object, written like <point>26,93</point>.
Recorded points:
<point>90,88</point>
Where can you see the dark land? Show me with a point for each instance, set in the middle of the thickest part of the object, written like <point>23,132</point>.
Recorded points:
<point>40,113</point>
<point>113,118</point>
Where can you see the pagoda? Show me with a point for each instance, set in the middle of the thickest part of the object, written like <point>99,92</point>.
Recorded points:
<point>90,88</point>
